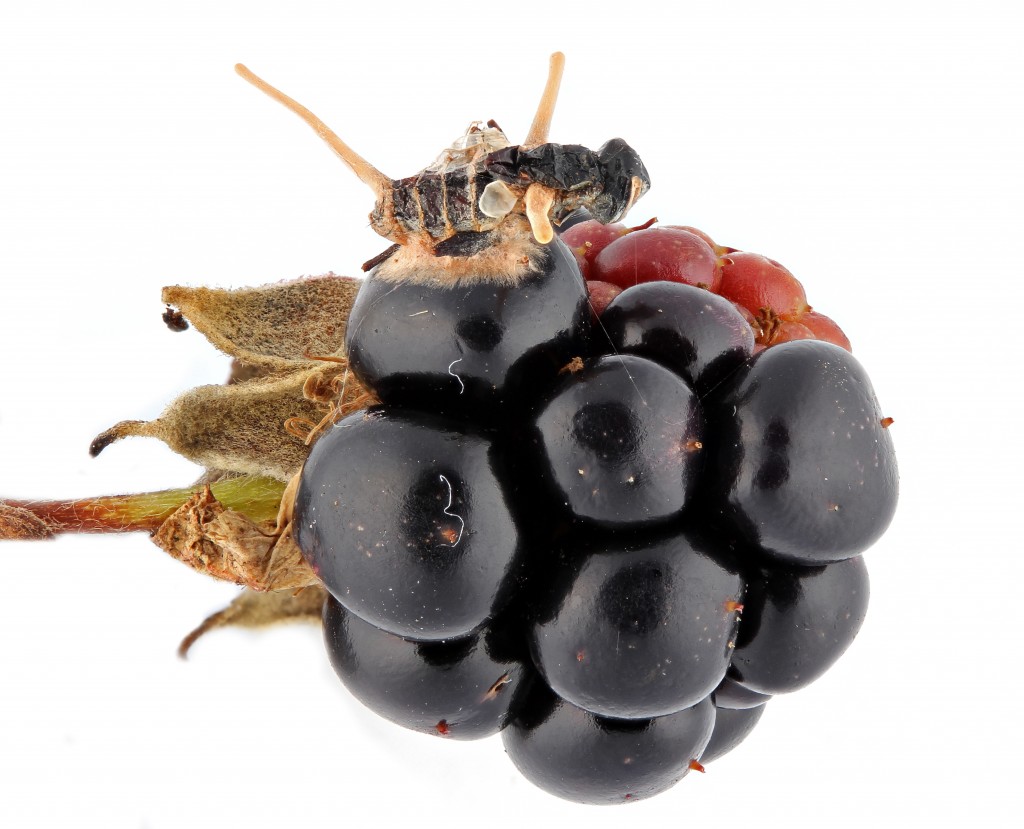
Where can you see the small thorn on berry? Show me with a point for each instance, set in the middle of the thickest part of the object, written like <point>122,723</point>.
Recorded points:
<point>833,507</point>
<point>695,766</point>
<point>733,607</point>
<point>887,422</point>
<point>580,656</point>
<point>693,446</point>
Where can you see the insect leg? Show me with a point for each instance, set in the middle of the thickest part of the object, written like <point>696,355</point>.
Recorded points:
<point>538,205</point>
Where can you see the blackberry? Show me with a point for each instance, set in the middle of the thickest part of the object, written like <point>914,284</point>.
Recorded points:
<point>613,541</point>
<point>640,529</point>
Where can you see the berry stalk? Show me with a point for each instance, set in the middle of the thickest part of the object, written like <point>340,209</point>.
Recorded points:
<point>258,498</point>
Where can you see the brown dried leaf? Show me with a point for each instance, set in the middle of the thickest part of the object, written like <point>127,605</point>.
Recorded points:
<point>228,545</point>
<point>254,610</point>
<point>275,325</point>
<point>237,427</point>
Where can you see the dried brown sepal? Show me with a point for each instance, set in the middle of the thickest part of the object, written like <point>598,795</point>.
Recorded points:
<point>239,427</point>
<point>241,371</point>
<point>255,610</point>
<point>274,325</point>
<point>230,546</point>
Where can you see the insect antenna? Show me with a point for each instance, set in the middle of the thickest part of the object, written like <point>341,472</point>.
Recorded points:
<point>538,133</point>
<point>368,174</point>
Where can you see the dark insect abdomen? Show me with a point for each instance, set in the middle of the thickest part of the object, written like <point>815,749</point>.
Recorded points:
<point>407,204</point>
<point>443,202</point>
<point>431,190</point>
<point>458,203</point>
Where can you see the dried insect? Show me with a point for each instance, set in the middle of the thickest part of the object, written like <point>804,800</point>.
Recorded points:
<point>456,205</point>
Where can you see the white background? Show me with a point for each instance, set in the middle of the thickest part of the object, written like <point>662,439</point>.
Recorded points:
<point>873,148</point>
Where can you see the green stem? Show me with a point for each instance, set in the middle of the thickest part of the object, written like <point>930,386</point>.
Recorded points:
<point>256,497</point>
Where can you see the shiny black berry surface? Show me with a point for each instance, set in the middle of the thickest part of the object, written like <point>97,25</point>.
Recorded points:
<point>458,688</point>
<point>732,727</point>
<point>468,346</point>
<point>801,461</point>
<point>581,757</point>
<point>797,621</point>
<point>730,694</point>
<point>621,441</point>
<point>699,335</point>
<point>638,630</point>
<point>404,519</point>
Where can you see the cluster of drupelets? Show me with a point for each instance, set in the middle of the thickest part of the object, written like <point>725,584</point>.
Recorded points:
<point>597,520</point>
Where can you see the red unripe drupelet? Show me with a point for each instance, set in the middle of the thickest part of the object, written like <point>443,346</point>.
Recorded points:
<point>589,238</point>
<point>721,250</point>
<point>601,293</point>
<point>789,330</point>
<point>825,328</point>
<point>757,282</point>
<point>658,253</point>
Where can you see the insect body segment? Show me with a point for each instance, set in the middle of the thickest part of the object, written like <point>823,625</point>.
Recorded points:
<point>451,207</point>
<point>606,182</point>
<point>445,200</point>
